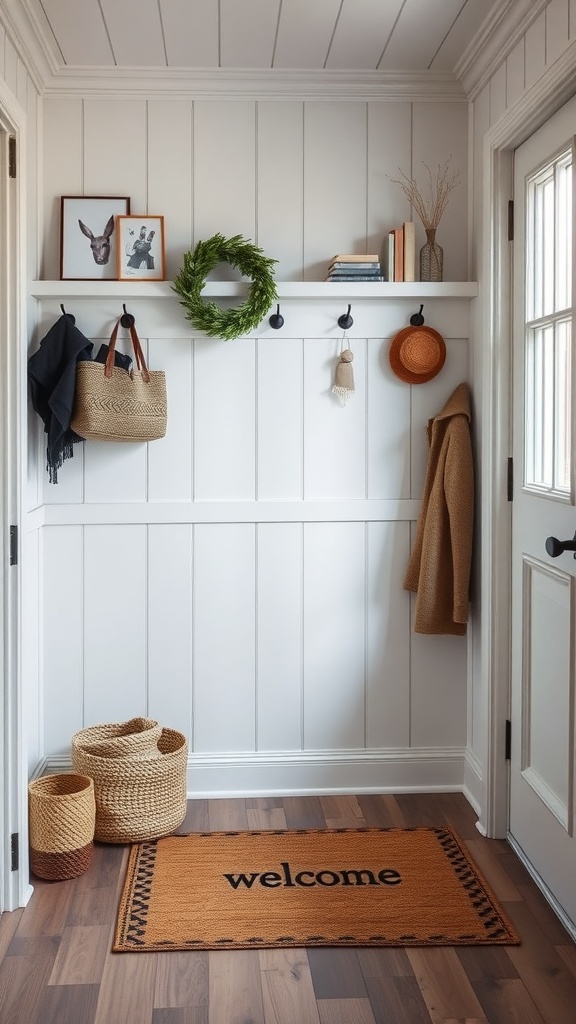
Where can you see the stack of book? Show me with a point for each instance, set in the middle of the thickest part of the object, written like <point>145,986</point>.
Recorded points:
<point>400,255</point>
<point>355,267</point>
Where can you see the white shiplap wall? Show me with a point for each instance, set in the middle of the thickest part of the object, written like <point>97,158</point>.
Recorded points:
<point>242,579</point>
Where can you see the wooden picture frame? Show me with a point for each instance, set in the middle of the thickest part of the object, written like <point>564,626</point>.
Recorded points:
<point>140,249</point>
<point>88,236</point>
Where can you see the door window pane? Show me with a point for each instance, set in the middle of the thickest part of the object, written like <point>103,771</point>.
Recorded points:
<point>548,327</point>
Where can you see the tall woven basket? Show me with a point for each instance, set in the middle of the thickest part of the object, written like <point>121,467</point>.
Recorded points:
<point>137,797</point>
<point>61,812</point>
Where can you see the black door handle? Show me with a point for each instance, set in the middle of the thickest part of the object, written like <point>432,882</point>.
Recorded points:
<point>556,547</point>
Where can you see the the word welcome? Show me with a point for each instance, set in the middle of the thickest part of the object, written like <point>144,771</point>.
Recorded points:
<point>325,877</point>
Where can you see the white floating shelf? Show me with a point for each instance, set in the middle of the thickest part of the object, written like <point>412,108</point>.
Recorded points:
<point>239,289</point>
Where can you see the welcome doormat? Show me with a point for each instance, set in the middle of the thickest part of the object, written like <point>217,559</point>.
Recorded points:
<point>306,887</point>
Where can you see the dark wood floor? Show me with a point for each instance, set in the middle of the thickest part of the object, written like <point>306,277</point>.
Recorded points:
<point>56,966</point>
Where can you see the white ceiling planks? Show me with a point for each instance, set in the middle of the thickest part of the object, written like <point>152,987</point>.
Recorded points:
<point>253,49</point>
<point>412,47</point>
<point>362,33</point>
<point>135,32</point>
<point>191,33</point>
<point>79,31</point>
<point>465,28</point>
<point>405,36</point>
<point>304,33</point>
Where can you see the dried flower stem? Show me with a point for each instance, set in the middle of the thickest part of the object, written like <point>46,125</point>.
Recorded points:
<point>430,208</point>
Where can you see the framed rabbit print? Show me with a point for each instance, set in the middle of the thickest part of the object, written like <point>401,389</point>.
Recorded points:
<point>88,238</point>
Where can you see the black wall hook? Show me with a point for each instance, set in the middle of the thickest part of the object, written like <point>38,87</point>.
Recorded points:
<point>127,320</point>
<point>345,321</point>
<point>69,315</point>
<point>276,321</point>
<point>417,319</point>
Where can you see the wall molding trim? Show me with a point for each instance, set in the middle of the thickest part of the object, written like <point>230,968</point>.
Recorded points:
<point>501,32</point>
<point>33,39</point>
<point>308,773</point>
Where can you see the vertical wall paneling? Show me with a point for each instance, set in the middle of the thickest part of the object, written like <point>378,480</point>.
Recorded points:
<point>224,169</point>
<point>63,654</point>
<point>515,73</point>
<point>387,206</point>
<point>334,166</point>
<point>440,132</point>
<point>62,133</point>
<point>334,635</point>
<point>279,633</point>
<point>170,161</point>
<point>280,216</point>
<point>224,419</point>
<point>498,94</point>
<point>114,471</point>
<point>288,630</point>
<point>33,161</point>
<point>115,148</point>
<point>170,458</point>
<point>388,647</point>
<point>224,637</point>
<point>556,29</point>
<point>21,84</point>
<point>481,116</point>
<point>279,418</point>
<point>115,587</point>
<point>388,417</point>
<point>10,65</point>
<point>438,691</point>
<point>334,435</point>
<point>170,625</point>
<point>535,41</point>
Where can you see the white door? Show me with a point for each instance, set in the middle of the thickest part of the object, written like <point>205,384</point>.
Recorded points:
<point>544,506</point>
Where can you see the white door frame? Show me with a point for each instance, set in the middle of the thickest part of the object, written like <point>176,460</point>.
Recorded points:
<point>556,86</point>
<point>15,888</point>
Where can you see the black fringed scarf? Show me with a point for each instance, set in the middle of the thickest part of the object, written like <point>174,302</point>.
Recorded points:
<point>52,378</point>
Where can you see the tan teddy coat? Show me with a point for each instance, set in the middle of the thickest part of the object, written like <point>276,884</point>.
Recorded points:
<point>439,566</point>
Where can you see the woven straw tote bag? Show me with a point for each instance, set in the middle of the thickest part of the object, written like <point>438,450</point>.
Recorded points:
<point>112,404</point>
<point>137,798</point>
<point>61,814</point>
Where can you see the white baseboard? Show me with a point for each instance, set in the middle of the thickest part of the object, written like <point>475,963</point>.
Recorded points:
<point>472,788</point>
<point>300,773</point>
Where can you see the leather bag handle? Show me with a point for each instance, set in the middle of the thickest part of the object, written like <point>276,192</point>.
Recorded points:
<point>138,353</point>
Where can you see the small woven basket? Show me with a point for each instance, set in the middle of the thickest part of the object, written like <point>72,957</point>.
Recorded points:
<point>137,799</point>
<point>136,739</point>
<point>61,812</point>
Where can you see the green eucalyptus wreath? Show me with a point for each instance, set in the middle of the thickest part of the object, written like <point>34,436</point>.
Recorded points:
<point>250,261</point>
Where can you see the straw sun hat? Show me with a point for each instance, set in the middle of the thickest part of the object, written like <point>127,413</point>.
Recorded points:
<point>417,354</point>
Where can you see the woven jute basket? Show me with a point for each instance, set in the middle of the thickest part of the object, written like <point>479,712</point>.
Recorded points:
<point>136,739</point>
<point>61,813</point>
<point>137,799</point>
